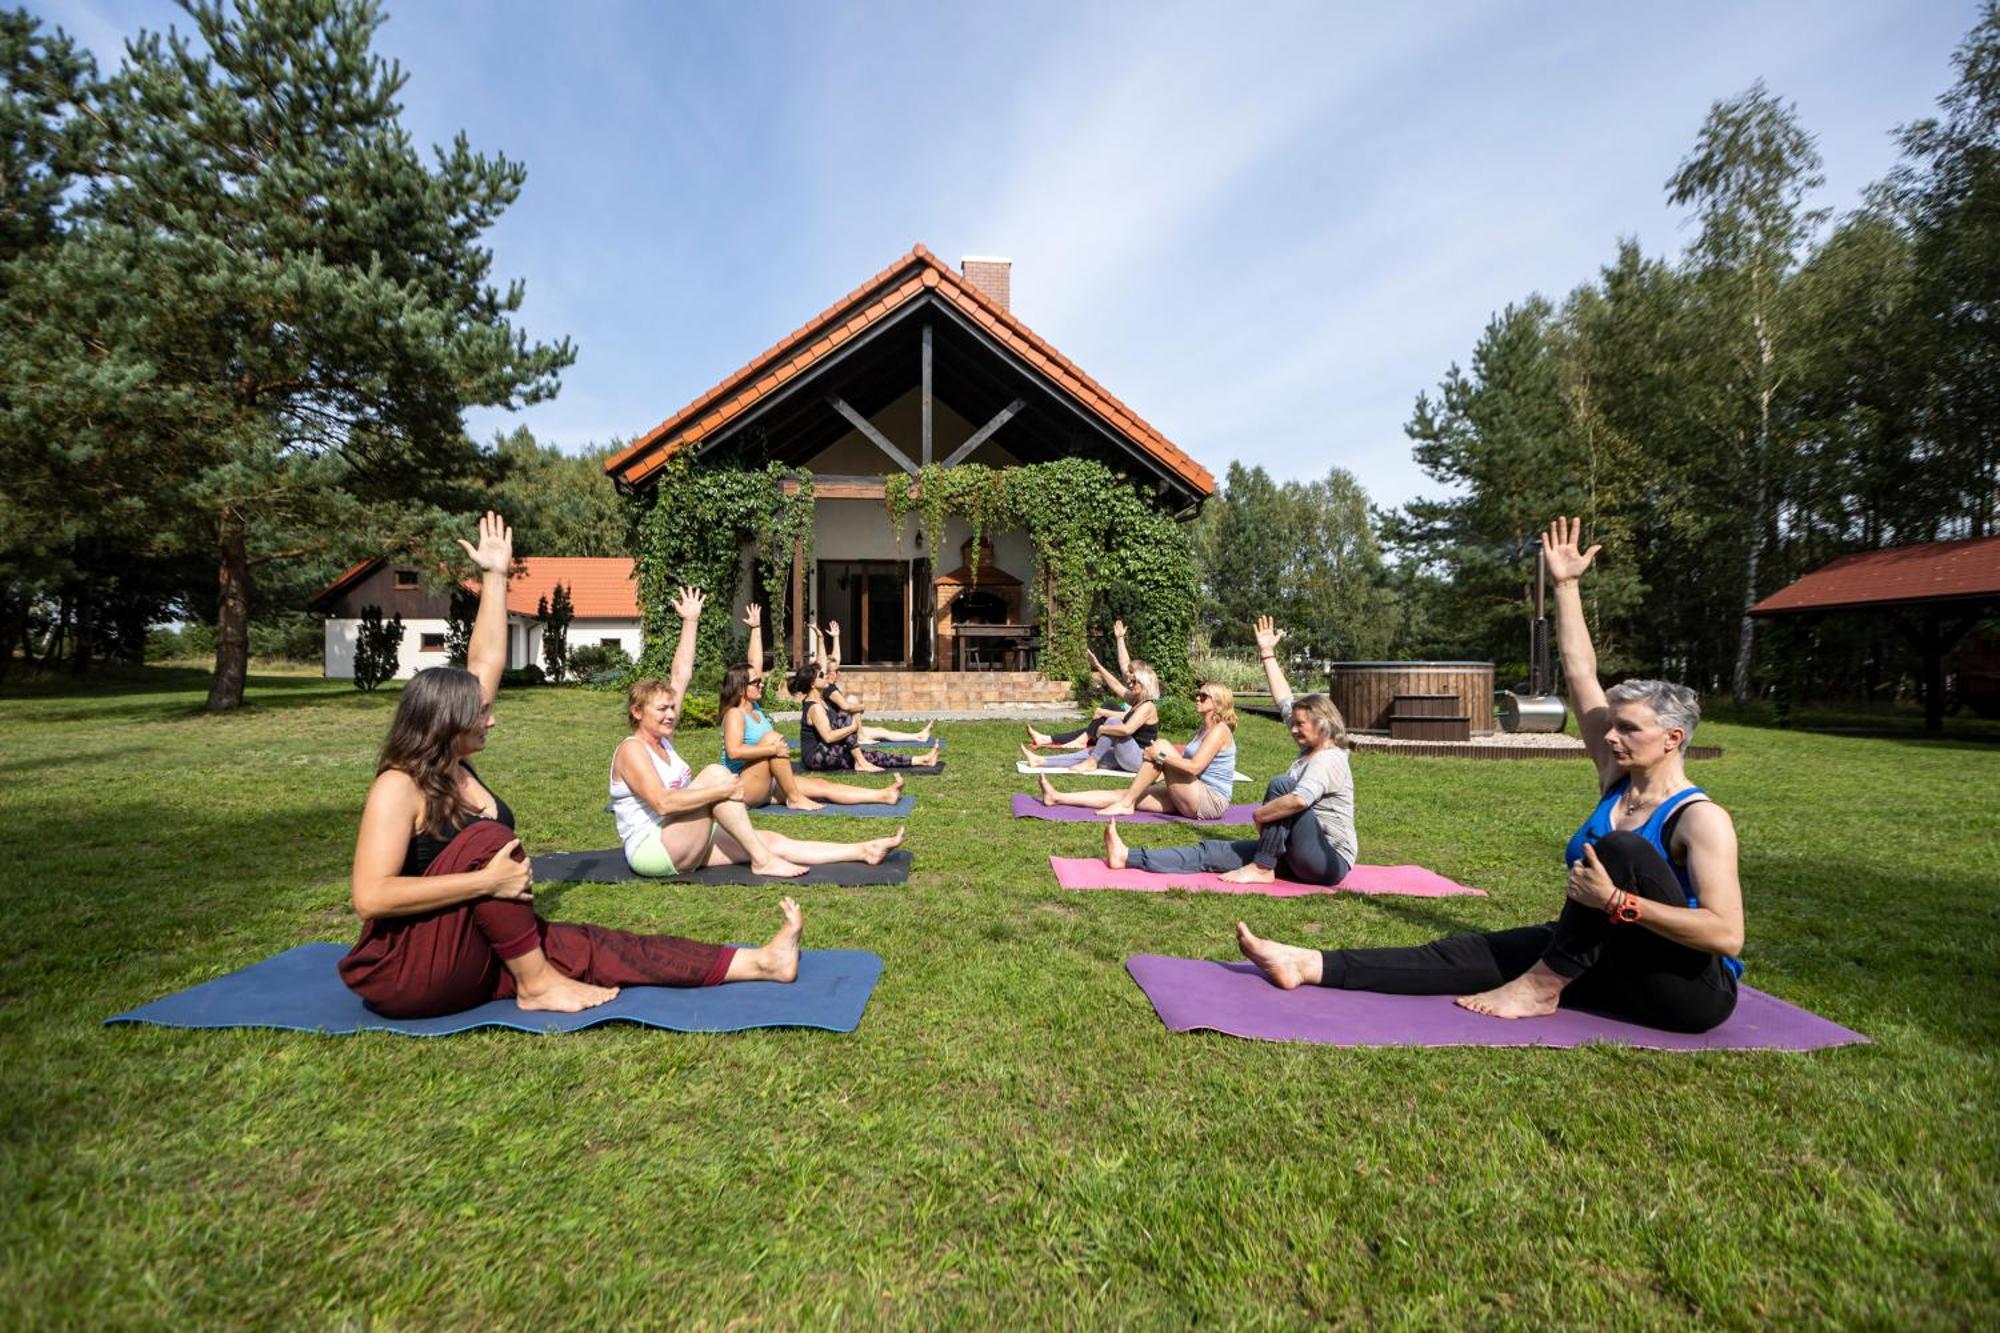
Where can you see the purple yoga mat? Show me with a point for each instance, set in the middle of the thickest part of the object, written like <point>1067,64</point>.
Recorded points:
<point>1031,807</point>
<point>1089,872</point>
<point>1234,998</point>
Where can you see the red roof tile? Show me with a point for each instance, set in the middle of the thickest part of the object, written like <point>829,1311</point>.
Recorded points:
<point>887,291</point>
<point>1937,571</point>
<point>600,587</point>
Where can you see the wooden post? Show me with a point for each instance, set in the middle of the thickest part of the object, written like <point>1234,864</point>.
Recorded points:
<point>799,599</point>
<point>927,395</point>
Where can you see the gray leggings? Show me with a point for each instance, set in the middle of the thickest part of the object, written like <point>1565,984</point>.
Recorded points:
<point>1121,753</point>
<point>1297,849</point>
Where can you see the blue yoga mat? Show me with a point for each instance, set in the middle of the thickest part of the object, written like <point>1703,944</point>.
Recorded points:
<point>300,989</point>
<point>878,810</point>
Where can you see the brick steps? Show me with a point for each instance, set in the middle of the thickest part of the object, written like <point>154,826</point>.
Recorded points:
<point>889,691</point>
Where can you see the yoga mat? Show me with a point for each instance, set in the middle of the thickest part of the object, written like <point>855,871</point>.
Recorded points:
<point>608,867</point>
<point>1234,998</point>
<point>1087,872</point>
<point>1030,807</point>
<point>890,745</point>
<point>873,810</point>
<point>301,990</point>
<point>1022,766</point>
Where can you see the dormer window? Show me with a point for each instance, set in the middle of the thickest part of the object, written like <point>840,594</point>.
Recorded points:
<point>406,580</point>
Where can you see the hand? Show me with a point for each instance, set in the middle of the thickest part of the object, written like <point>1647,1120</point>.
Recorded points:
<point>509,875</point>
<point>1117,629</point>
<point>1093,658</point>
<point>1589,882</point>
<point>753,615</point>
<point>1268,636</point>
<point>495,552</point>
<point>833,629</point>
<point>688,605</point>
<point>1560,547</point>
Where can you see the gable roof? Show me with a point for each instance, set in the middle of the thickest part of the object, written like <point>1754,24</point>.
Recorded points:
<point>600,587</point>
<point>1966,570</point>
<point>908,279</point>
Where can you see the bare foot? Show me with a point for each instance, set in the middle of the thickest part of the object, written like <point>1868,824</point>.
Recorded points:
<point>894,791</point>
<point>1533,994</point>
<point>1048,792</point>
<point>778,960</point>
<point>1037,738</point>
<point>559,994</point>
<point>1119,810</point>
<point>803,803</point>
<point>1114,847</point>
<point>1034,760</point>
<point>1084,766</point>
<point>925,734</point>
<point>1251,874</point>
<point>777,867</point>
<point>1285,966</point>
<point>930,756</point>
<point>873,852</point>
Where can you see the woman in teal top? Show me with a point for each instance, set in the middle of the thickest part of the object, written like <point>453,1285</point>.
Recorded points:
<point>1653,925</point>
<point>1194,782</point>
<point>755,749</point>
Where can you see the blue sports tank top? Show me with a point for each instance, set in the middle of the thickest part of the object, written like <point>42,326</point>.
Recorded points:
<point>755,728</point>
<point>1221,771</point>
<point>1653,830</point>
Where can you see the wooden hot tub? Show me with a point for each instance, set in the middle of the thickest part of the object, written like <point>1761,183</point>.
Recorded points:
<point>1365,692</point>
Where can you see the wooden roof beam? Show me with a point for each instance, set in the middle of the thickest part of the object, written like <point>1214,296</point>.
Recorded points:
<point>867,429</point>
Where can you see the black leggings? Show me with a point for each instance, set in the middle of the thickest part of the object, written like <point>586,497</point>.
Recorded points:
<point>1089,729</point>
<point>1625,970</point>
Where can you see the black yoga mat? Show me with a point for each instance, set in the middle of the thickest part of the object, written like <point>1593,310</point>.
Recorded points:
<point>608,867</point>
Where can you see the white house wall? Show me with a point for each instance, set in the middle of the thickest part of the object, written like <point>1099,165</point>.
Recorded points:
<point>342,634</point>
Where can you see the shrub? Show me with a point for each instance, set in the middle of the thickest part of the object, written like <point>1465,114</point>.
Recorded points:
<point>1241,672</point>
<point>700,710</point>
<point>1177,715</point>
<point>377,648</point>
<point>599,659</point>
<point>527,675</point>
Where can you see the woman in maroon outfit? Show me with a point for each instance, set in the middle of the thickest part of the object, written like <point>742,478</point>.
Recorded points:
<point>445,893</point>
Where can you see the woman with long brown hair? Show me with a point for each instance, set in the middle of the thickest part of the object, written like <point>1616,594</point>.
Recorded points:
<point>443,889</point>
<point>755,750</point>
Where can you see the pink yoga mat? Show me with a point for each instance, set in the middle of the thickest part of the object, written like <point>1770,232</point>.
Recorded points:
<point>1234,998</point>
<point>1031,807</point>
<point>1088,872</point>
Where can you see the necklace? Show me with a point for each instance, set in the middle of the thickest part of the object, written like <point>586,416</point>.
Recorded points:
<point>1633,803</point>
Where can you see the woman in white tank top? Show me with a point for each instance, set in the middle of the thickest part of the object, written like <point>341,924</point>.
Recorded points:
<point>670,818</point>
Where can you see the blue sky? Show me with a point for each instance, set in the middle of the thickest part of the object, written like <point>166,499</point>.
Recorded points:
<point>1266,227</point>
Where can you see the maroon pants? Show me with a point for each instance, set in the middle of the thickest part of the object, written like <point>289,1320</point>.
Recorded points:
<point>453,958</point>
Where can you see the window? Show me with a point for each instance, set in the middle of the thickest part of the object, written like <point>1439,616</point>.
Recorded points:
<point>432,643</point>
<point>619,644</point>
<point>406,579</point>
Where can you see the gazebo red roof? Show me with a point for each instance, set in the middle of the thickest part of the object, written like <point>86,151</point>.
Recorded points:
<point>1959,571</point>
<point>906,280</point>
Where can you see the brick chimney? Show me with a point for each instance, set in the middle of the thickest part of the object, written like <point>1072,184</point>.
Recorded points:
<point>991,276</point>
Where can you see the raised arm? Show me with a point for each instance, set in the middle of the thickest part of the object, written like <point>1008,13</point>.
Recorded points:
<point>486,649</point>
<point>688,607</point>
<point>1110,682</point>
<point>833,645</point>
<point>753,616</point>
<point>1124,658</point>
<point>1269,636</point>
<point>1567,562</point>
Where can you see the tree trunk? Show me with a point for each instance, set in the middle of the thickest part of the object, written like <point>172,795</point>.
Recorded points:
<point>232,619</point>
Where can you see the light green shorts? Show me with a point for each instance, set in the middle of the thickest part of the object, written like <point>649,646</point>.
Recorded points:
<point>648,856</point>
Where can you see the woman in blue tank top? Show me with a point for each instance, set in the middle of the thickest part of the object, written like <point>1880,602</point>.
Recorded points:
<point>1654,918</point>
<point>755,749</point>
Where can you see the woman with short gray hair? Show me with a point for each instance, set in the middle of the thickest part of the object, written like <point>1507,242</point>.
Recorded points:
<point>1654,918</point>
<point>1305,827</point>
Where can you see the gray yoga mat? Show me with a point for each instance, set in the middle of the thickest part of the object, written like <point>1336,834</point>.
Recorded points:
<point>608,867</point>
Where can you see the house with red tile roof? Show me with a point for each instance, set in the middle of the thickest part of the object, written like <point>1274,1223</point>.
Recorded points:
<point>921,364</point>
<point>602,591</point>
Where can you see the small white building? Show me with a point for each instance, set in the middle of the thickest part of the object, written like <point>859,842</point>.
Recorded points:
<point>603,594</point>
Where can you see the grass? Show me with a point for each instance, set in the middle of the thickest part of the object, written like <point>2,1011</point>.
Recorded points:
<point>1011,1137</point>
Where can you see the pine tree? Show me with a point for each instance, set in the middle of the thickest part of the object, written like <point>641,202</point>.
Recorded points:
<point>272,313</point>
<point>555,612</point>
<point>378,648</point>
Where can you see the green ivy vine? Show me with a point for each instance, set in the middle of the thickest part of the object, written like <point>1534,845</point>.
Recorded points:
<point>693,531</point>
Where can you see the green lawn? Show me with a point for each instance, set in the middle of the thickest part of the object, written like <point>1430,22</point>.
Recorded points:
<point>1011,1136</point>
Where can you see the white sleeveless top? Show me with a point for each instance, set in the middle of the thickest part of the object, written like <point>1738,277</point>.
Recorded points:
<point>634,818</point>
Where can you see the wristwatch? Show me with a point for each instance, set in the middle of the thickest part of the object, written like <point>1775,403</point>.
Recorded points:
<point>1623,909</point>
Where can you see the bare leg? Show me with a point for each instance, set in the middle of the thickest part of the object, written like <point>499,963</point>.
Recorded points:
<point>758,787</point>
<point>1038,738</point>
<point>1087,800</point>
<point>1533,994</point>
<point>1141,794</point>
<point>778,960</point>
<point>742,844</point>
<point>834,793</point>
<point>807,852</point>
<point>791,788</point>
<point>537,985</point>
<point>1285,966</point>
<point>884,734</point>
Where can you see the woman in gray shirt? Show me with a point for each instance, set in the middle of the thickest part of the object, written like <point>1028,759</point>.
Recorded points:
<point>1305,827</point>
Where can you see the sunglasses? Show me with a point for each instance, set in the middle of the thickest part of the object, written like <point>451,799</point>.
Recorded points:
<point>754,680</point>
